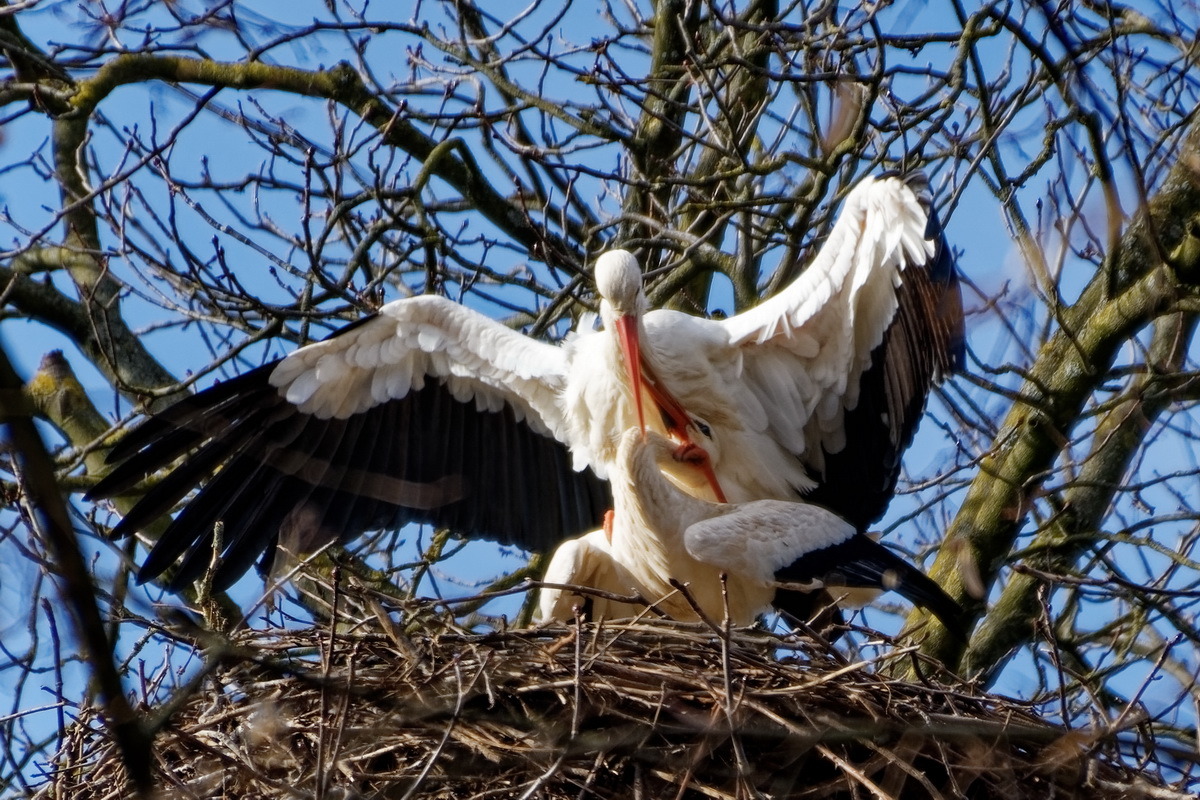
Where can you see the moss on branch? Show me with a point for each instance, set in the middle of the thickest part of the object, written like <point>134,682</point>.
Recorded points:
<point>1139,283</point>
<point>113,348</point>
<point>57,395</point>
<point>1116,440</point>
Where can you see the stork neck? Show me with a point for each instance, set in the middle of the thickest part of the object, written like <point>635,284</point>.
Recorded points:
<point>662,504</point>
<point>650,516</point>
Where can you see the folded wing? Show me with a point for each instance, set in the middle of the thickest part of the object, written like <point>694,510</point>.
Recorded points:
<point>775,541</point>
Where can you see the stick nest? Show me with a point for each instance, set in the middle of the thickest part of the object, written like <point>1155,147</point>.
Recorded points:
<point>653,710</point>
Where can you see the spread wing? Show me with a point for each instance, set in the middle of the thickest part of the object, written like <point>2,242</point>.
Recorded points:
<point>426,412</point>
<point>842,359</point>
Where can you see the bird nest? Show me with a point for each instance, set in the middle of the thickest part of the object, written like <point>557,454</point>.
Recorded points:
<point>640,709</point>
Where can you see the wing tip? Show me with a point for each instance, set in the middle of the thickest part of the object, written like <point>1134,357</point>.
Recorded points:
<point>863,562</point>
<point>924,592</point>
<point>942,271</point>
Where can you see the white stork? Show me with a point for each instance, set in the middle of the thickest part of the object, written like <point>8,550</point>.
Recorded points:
<point>660,533</point>
<point>428,411</point>
<point>814,392</point>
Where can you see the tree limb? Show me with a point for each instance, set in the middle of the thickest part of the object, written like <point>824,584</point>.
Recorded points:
<point>74,578</point>
<point>343,85</point>
<point>1068,369</point>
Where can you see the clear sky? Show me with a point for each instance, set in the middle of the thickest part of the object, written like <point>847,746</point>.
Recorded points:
<point>997,275</point>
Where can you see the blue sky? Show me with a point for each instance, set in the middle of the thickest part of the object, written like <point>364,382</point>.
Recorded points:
<point>977,229</point>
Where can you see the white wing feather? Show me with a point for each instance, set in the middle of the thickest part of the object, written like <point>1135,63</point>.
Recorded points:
<point>384,359</point>
<point>804,349</point>
<point>758,539</point>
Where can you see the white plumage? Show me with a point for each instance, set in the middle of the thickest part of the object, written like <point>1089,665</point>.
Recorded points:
<point>660,533</point>
<point>772,384</point>
<point>587,561</point>
<point>430,392</point>
<point>650,545</point>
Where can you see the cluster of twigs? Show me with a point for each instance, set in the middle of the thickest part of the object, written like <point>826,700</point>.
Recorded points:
<point>609,710</point>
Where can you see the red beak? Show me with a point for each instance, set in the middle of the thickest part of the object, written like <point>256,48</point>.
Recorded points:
<point>677,419</point>
<point>698,458</point>
<point>627,330</point>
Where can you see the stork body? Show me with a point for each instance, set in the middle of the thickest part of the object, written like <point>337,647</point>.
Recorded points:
<point>587,561</point>
<point>650,518</point>
<point>431,412</point>
<point>661,533</point>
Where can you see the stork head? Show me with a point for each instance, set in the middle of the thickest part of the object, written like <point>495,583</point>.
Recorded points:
<point>691,461</point>
<point>639,450</point>
<point>635,444</point>
<point>688,463</point>
<point>622,301</point>
<point>619,282</point>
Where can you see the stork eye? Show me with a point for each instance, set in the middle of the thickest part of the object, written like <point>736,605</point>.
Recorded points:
<point>703,428</point>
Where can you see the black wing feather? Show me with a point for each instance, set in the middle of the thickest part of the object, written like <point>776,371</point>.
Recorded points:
<point>269,471</point>
<point>923,344</point>
<point>183,425</point>
<point>860,561</point>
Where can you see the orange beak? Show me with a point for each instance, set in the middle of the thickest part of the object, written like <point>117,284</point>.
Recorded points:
<point>627,330</point>
<point>698,458</point>
<point>675,416</point>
